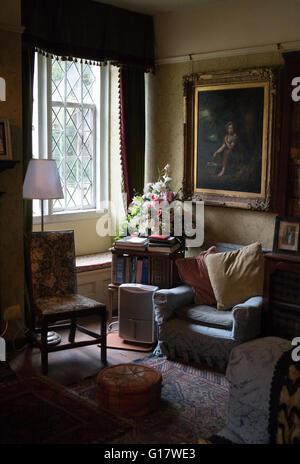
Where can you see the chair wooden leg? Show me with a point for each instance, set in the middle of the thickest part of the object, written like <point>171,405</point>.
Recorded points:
<point>103,337</point>
<point>72,331</point>
<point>32,320</point>
<point>44,347</point>
<point>31,335</point>
<point>110,304</point>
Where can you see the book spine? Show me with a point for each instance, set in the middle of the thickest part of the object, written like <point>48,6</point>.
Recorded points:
<point>156,274</point>
<point>139,268</point>
<point>127,249</point>
<point>159,250</point>
<point>113,268</point>
<point>127,268</point>
<point>166,273</point>
<point>145,271</point>
<point>133,270</point>
<point>171,265</point>
<point>120,269</point>
<point>149,271</point>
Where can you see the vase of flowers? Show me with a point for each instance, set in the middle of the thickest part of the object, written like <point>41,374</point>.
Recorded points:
<point>146,212</point>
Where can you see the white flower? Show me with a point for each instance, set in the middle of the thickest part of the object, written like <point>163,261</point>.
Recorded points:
<point>147,196</point>
<point>146,206</point>
<point>167,167</point>
<point>159,186</point>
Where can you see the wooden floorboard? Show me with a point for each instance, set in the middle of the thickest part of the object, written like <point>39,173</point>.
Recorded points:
<point>69,366</point>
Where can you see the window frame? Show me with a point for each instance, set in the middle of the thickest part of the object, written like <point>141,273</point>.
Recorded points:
<point>44,141</point>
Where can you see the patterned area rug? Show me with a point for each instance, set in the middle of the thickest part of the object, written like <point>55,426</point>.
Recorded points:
<point>6,374</point>
<point>193,406</point>
<point>38,411</point>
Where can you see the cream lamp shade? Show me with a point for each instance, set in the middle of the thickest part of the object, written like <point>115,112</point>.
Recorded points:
<point>42,180</point>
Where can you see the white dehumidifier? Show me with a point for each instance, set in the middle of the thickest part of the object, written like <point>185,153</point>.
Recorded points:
<point>136,312</point>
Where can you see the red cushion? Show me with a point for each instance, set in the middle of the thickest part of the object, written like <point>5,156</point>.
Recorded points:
<point>193,272</point>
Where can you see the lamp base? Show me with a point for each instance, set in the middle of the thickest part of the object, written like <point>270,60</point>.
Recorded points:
<point>53,338</point>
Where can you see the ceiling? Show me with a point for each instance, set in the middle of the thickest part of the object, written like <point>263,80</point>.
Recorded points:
<point>153,7</point>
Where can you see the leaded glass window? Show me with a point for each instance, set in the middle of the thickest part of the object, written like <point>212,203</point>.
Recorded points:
<point>73,132</point>
<point>71,125</point>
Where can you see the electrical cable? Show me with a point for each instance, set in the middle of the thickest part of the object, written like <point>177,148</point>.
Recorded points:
<point>116,323</point>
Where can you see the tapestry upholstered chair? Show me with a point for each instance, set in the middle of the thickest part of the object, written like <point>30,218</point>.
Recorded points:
<point>53,293</point>
<point>201,333</point>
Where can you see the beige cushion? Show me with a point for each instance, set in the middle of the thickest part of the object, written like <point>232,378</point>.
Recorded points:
<point>236,276</point>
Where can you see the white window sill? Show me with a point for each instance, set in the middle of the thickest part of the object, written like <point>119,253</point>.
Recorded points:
<point>69,216</point>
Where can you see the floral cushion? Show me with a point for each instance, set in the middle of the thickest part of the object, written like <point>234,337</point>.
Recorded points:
<point>65,303</point>
<point>52,263</point>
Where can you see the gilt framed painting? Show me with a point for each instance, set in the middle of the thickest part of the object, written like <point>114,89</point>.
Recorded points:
<point>229,140</point>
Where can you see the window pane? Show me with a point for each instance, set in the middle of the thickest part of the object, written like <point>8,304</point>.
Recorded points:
<point>73,82</point>
<point>58,80</point>
<point>73,133</point>
<point>88,81</point>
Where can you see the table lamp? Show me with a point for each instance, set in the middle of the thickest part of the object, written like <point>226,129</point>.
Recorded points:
<point>42,182</point>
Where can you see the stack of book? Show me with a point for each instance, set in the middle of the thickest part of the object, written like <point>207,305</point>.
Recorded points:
<point>132,243</point>
<point>163,244</point>
<point>130,269</point>
<point>126,268</point>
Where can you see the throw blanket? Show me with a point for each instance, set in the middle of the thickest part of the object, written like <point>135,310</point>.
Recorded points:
<point>284,421</point>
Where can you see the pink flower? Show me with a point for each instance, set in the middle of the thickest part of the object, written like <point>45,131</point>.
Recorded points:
<point>168,196</point>
<point>148,186</point>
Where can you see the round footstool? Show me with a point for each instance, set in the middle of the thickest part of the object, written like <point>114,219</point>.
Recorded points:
<point>129,389</point>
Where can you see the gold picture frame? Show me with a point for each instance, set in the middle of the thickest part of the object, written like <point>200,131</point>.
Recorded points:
<point>229,140</point>
<point>5,141</point>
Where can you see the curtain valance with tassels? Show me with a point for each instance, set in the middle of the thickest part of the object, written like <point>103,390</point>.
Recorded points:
<point>89,30</point>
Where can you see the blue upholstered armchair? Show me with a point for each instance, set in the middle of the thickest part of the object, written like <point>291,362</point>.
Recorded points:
<point>202,333</point>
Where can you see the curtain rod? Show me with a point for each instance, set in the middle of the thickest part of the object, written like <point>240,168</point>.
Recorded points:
<point>276,47</point>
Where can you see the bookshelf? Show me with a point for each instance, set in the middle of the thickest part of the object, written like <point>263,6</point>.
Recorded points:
<point>145,267</point>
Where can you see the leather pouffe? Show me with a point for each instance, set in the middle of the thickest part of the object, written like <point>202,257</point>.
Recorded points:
<point>129,389</point>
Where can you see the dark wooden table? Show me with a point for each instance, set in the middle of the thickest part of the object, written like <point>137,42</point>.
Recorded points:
<point>281,299</point>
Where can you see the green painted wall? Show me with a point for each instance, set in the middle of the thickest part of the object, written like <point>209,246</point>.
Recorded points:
<point>165,144</point>
<point>11,206</point>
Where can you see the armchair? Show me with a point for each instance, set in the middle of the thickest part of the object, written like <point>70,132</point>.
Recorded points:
<point>202,333</point>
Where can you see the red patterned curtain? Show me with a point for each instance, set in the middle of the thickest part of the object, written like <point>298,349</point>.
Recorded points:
<point>132,129</point>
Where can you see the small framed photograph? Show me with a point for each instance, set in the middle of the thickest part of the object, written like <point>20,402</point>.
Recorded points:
<point>287,235</point>
<point>5,143</point>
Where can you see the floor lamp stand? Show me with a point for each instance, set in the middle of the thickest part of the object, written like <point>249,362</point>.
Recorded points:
<point>53,338</point>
